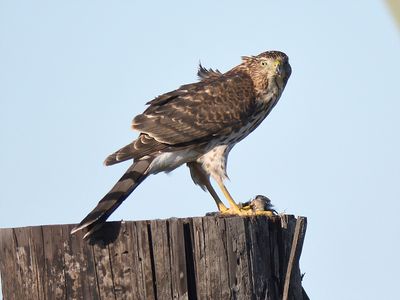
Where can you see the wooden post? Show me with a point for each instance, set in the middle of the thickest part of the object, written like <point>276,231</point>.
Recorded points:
<point>193,258</point>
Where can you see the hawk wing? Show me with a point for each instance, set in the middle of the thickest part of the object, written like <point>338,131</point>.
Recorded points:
<point>199,112</point>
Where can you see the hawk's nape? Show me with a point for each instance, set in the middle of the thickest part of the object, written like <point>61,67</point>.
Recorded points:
<point>198,124</point>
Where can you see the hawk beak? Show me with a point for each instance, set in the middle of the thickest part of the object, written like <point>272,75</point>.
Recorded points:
<point>288,70</point>
<point>282,69</point>
<point>278,67</point>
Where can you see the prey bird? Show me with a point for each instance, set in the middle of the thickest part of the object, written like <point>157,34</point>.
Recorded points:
<point>197,125</point>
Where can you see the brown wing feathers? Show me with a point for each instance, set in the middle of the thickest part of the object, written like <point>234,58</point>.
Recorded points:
<point>194,112</point>
<point>199,112</point>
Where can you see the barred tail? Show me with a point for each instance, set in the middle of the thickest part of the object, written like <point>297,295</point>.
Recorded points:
<point>110,202</point>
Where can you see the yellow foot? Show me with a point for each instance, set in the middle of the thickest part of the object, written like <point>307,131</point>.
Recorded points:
<point>247,212</point>
<point>222,208</point>
<point>237,212</point>
<point>260,206</point>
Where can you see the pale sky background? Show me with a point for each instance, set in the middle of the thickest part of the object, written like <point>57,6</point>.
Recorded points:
<point>73,74</point>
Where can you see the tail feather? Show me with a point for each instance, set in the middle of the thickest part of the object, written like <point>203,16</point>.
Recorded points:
<point>110,202</point>
<point>122,154</point>
<point>144,145</point>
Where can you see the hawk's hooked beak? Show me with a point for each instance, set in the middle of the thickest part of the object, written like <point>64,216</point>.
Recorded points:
<point>278,67</point>
<point>282,68</point>
<point>288,70</point>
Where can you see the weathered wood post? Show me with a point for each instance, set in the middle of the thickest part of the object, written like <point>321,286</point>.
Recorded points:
<point>192,258</point>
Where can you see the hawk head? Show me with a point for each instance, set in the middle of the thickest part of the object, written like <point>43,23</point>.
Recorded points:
<point>267,66</point>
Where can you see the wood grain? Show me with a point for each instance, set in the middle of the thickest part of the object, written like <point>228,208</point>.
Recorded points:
<point>193,258</point>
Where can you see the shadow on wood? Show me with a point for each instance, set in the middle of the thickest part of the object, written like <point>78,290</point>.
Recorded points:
<point>191,258</point>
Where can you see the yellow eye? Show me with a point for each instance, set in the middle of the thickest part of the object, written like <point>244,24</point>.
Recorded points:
<point>263,63</point>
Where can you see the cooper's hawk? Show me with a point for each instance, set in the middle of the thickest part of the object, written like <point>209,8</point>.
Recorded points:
<point>197,124</point>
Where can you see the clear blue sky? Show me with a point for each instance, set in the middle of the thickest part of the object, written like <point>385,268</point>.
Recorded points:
<point>73,74</point>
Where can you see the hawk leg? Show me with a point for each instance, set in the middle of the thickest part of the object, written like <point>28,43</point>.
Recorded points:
<point>234,208</point>
<point>201,178</point>
<point>254,207</point>
<point>221,206</point>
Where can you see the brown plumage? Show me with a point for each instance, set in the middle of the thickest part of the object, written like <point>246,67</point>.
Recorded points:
<point>197,124</point>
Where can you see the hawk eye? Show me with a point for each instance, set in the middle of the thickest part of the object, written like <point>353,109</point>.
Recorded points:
<point>263,63</point>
